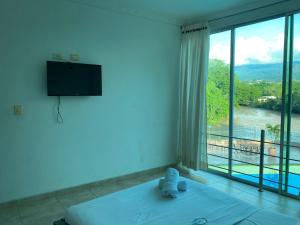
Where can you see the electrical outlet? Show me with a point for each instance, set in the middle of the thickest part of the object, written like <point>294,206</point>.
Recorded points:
<point>57,56</point>
<point>74,57</point>
<point>18,110</point>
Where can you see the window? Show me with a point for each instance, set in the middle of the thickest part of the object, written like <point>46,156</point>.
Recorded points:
<point>257,98</point>
<point>293,163</point>
<point>254,85</point>
<point>217,97</point>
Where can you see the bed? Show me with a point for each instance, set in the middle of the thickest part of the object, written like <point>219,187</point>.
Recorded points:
<point>143,205</point>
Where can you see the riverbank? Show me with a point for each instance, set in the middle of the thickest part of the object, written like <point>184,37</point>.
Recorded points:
<point>248,122</point>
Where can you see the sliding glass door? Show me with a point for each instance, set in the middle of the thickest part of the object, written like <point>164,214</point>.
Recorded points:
<point>257,98</point>
<point>253,104</point>
<point>218,101</point>
<point>293,156</point>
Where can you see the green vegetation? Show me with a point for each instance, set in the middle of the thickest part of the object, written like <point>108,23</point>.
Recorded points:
<point>258,94</point>
<point>274,131</point>
<point>217,92</point>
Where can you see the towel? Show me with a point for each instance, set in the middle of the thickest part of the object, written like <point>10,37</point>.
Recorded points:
<point>161,183</point>
<point>169,187</point>
<point>182,186</point>
<point>172,175</point>
<point>169,190</point>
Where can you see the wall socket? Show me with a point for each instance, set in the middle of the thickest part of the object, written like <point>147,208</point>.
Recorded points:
<point>74,57</point>
<point>57,56</point>
<point>18,110</point>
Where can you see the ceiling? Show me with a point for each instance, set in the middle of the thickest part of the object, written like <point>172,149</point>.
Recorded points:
<point>178,11</point>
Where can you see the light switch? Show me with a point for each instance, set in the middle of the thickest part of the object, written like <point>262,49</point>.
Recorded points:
<point>18,110</point>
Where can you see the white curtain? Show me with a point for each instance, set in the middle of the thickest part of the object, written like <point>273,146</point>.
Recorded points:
<point>192,151</point>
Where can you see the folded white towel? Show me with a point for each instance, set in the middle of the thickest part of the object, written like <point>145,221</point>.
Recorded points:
<point>161,183</point>
<point>168,185</point>
<point>169,189</point>
<point>182,186</point>
<point>172,175</point>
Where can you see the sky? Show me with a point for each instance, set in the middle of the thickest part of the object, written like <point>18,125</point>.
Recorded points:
<point>257,43</point>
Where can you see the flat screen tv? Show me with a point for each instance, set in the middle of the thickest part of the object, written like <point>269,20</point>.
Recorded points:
<point>73,79</point>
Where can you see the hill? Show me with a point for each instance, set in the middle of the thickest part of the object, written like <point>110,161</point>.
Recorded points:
<point>267,72</point>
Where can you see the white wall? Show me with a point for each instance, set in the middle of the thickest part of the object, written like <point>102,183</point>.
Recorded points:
<point>132,127</point>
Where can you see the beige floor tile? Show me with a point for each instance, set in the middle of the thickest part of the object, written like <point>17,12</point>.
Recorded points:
<point>129,183</point>
<point>74,197</point>
<point>105,189</point>
<point>266,199</point>
<point>42,219</point>
<point>40,209</point>
<point>209,177</point>
<point>286,211</point>
<point>11,223</point>
<point>9,215</point>
<point>149,177</point>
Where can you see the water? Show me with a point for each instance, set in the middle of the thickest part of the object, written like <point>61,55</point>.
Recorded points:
<point>248,123</point>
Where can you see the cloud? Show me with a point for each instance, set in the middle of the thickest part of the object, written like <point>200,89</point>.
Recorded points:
<point>297,49</point>
<point>220,51</point>
<point>296,55</point>
<point>253,50</point>
<point>297,44</point>
<point>263,50</point>
<point>253,61</point>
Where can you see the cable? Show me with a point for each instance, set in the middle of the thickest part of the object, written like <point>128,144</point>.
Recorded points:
<point>59,117</point>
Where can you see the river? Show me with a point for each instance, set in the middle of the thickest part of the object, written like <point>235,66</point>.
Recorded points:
<point>248,123</point>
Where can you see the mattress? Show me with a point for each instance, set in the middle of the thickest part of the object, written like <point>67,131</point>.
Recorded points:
<point>265,217</point>
<point>143,205</point>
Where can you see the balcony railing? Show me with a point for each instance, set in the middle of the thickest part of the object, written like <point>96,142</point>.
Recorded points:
<point>257,162</point>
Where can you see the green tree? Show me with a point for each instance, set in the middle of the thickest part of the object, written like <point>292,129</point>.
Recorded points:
<point>274,131</point>
<point>217,104</point>
<point>219,73</point>
<point>248,93</point>
<point>217,92</point>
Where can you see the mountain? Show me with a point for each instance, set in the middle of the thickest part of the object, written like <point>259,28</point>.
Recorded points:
<point>266,72</point>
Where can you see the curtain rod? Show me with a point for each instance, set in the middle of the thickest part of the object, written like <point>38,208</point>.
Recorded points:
<point>249,10</point>
<point>236,14</point>
<point>193,30</point>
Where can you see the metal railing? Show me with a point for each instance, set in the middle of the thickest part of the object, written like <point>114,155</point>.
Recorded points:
<point>257,150</point>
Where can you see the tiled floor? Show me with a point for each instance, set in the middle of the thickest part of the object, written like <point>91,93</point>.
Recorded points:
<point>45,211</point>
<point>267,200</point>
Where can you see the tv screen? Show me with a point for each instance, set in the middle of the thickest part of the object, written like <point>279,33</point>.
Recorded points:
<point>73,79</point>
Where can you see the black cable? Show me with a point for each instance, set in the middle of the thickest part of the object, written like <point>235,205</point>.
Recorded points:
<point>59,117</point>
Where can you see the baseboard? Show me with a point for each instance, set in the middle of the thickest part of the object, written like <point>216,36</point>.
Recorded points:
<point>88,185</point>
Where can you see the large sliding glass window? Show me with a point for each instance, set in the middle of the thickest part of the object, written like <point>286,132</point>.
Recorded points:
<point>218,101</point>
<point>258,83</point>
<point>253,94</point>
<point>294,150</point>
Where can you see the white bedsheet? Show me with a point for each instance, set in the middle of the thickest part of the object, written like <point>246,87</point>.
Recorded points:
<point>264,217</point>
<point>143,205</point>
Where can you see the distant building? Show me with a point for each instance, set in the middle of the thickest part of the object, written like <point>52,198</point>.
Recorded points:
<point>266,98</point>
